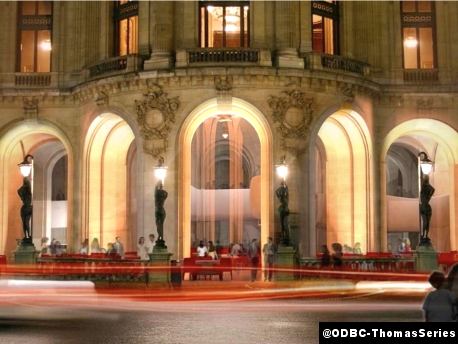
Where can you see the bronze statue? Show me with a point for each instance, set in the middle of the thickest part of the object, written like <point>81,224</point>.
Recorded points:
<point>283,211</point>
<point>426,193</point>
<point>160,195</point>
<point>25,193</point>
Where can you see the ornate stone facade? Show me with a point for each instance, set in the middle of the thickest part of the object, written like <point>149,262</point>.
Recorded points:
<point>294,92</point>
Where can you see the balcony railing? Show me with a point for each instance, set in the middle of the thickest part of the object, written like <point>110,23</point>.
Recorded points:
<point>336,62</point>
<point>115,65</point>
<point>421,75</point>
<point>32,80</point>
<point>221,57</point>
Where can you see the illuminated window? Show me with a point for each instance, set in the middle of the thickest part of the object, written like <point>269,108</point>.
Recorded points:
<point>325,27</point>
<point>34,36</point>
<point>418,32</point>
<point>126,27</point>
<point>224,24</point>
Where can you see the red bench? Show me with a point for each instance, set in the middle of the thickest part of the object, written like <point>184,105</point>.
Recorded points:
<point>206,266</point>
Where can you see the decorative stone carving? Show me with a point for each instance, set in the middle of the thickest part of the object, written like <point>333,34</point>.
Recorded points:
<point>156,116</point>
<point>223,83</point>
<point>30,106</point>
<point>346,90</point>
<point>101,98</point>
<point>292,113</point>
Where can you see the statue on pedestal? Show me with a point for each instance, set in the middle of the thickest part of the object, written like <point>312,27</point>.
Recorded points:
<point>283,211</point>
<point>160,195</point>
<point>426,194</point>
<point>25,193</point>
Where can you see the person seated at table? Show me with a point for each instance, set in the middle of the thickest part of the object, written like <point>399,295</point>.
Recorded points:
<point>202,250</point>
<point>84,247</point>
<point>407,246</point>
<point>212,250</point>
<point>357,248</point>
<point>59,249</point>
<point>337,255</point>
<point>44,246</point>
<point>236,250</point>
<point>110,249</point>
<point>95,246</point>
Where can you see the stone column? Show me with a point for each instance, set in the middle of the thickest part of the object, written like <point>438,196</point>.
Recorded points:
<point>347,32</point>
<point>144,22</point>
<point>286,34</point>
<point>106,30</point>
<point>8,31</point>
<point>306,27</point>
<point>161,35</point>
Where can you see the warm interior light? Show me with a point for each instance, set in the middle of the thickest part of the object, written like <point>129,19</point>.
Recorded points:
<point>410,42</point>
<point>232,28</point>
<point>46,45</point>
<point>225,135</point>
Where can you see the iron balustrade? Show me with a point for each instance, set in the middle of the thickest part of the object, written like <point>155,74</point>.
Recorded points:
<point>31,80</point>
<point>421,75</point>
<point>342,63</point>
<point>108,66</point>
<point>236,55</point>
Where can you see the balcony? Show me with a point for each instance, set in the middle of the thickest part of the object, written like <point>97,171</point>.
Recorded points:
<point>33,80</point>
<point>115,65</point>
<point>316,61</point>
<point>223,57</point>
<point>421,76</point>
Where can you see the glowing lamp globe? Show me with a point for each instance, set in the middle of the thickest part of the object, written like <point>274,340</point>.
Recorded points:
<point>25,167</point>
<point>282,170</point>
<point>426,166</point>
<point>160,171</point>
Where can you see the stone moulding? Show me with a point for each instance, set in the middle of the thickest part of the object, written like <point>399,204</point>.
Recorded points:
<point>156,116</point>
<point>292,112</point>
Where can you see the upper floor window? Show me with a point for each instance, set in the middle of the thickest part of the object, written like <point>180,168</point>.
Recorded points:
<point>126,27</point>
<point>325,27</point>
<point>224,24</point>
<point>34,36</point>
<point>418,34</point>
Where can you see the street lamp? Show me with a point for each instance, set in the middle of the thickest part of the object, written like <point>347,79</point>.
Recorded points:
<point>282,169</point>
<point>282,194</point>
<point>160,195</point>
<point>425,192</point>
<point>25,192</point>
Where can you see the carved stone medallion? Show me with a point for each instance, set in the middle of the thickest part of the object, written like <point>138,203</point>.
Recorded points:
<point>156,116</point>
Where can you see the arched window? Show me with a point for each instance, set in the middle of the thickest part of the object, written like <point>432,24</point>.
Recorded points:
<point>126,27</point>
<point>325,27</point>
<point>34,36</point>
<point>224,24</point>
<point>418,21</point>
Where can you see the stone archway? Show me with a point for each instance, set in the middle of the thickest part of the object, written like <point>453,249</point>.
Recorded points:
<point>256,119</point>
<point>440,141</point>
<point>30,137</point>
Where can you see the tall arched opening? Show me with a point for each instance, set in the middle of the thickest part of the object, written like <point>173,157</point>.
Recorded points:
<point>342,182</point>
<point>225,189</point>
<point>400,213</point>
<point>52,186</point>
<point>110,165</point>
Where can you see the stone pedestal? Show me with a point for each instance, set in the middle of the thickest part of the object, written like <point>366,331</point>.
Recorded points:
<point>287,58</point>
<point>158,61</point>
<point>26,254</point>
<point>160,259</point>
<point>426,258</point>
<point>285,259</point>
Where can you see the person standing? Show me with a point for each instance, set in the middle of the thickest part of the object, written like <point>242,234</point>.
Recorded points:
<point>119,247</point>
<point>253,255</point>
<point>142,249</point>
<point>269,249</point>
<point>150,244</point>
<point>439,303</point>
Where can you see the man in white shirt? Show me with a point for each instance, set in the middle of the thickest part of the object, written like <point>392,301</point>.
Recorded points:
<point>202,249</point>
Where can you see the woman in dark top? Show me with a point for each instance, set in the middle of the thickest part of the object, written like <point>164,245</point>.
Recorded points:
<point>337,255</point>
